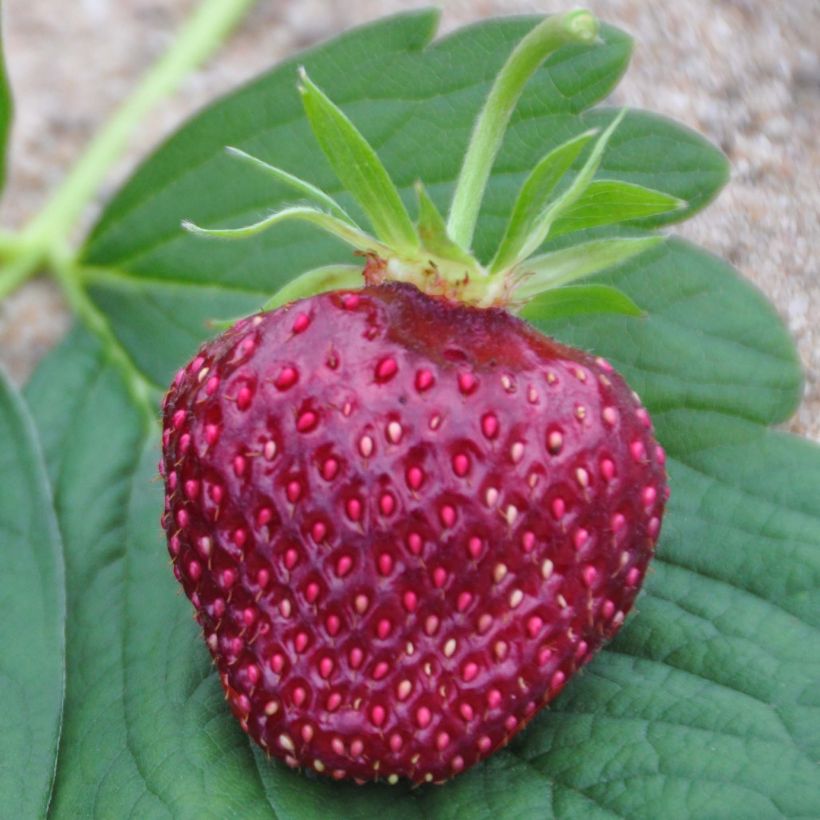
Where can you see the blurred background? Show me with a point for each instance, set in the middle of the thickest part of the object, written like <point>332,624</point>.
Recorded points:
<point>745,73</point>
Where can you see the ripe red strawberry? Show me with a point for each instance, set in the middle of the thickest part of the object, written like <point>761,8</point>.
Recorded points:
<point>404,523</point>
<point>404,517</point>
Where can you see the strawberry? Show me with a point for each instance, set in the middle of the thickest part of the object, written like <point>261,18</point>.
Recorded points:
<point>405,518</point>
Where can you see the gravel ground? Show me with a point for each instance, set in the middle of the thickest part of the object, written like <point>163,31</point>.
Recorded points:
<point>746,73</point>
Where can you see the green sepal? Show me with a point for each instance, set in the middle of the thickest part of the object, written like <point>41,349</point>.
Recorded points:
<point>551,270</point>
<point>309,283</point>
<point>609,202</point>
<point>569,197</point>
<point>579,300</point>
<point>318,280</point>
<point>301,186</point>
<point>533,198</point>
<point>433,232</point>
<point>354,236</point>
<point>358,168</point>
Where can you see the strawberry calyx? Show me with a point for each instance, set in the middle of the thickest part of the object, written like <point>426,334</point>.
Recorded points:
<point>435,255</point>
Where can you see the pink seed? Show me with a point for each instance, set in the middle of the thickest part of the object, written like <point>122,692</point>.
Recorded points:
<point>329,469</point>
<point>423,717</point>
<point>377,715</point>
<point>312,592</point>
<point>383,629</point>
<point>558,508</point>
<point>385,563</point>
<point>307,421</point>
<point>354,509</point>
<point>637,450</point>
<point>415,543</point>
<point>649,495</point>
<point>464,600</point>
<point>494,698</point>
<point>318,531</point>
<point>332,625</point>
<point>178,419</point>
<point>386,369</point>
<point>461,464</point>
<point>301,324</point>
<point>211,434</point>
<point>534,624</point>
<point>334,701</point>
<point>212,385</point>
<point>243,398</point>
<point>442,741</point>
<point>489,425</point>
<point>239,464</point>
<point>192,488</point>
<point>299,696</point>
<point>557,681</point>
<point>608,609</point>
<point>607,469</point>
<point>469,671</point>
<point>415,478</point>
<point>439,577</point>
<point>474,547</point>
<point>288,376</point>
<point>424,380</point>
<point>660,455</point>
<point>447,515</point>
<point>467,711</point>
<point>528,541</point>
<point>293,491</point>
<point>467,383</point>
<point>387,504</point>
<point>484,744</point>
<point>344,565</point>
<point>355,657</point>
<point>410,600</point>
<point>632,577</point>
<point>380,670</point>
<point>396,743</point>
<point>580,537</point>
<point>588,575</point>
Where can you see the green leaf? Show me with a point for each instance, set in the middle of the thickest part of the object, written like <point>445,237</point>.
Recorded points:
<point>607,202</point>
<point>359,168</point>
<point>145,730</point>
<point>533,198</point>
<point>705,705</point>
<point>32,627</point>
<point>578,261</point>
<point>300,186</point>
<point>578,300</point>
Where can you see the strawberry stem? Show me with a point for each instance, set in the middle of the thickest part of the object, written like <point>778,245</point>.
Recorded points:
<point>488,133</point>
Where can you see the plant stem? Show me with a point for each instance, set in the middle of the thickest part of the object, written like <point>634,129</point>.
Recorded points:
<point>142,391</point>
<point>488,132</point>
<point>201,36</point>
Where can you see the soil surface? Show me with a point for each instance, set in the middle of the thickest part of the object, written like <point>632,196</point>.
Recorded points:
<point>746,73</point>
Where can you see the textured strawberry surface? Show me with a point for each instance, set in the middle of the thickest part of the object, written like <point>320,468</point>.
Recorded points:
<point>404,524</point>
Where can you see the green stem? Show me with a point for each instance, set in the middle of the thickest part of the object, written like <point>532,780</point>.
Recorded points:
<point>201,36</point>
<point>488,132</point>
<point>142,391</point>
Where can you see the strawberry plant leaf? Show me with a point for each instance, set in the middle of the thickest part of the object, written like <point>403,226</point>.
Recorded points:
<point>32,629</point>
<point>704,704</point>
